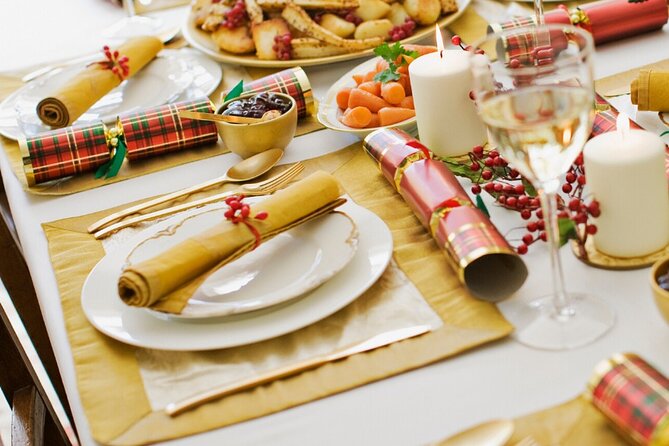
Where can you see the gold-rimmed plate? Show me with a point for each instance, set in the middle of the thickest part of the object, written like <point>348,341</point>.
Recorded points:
<point>202,41</point>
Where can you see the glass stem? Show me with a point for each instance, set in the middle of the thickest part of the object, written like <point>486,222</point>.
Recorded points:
<point>561,300</point>
<point>539,11</point>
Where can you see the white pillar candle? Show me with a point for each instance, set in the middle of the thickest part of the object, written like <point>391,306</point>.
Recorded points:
<point>625,173</point>
<point>448,123</point>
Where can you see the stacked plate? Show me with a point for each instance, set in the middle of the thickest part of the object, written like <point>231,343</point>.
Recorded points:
<point>175,75</point>
<point>289,282</point>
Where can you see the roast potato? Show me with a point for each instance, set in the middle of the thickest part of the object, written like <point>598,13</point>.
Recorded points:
<point>372,9</point>
<point>337,25</point>
<point>397,14</point>
<point>237,40</point>
<point>424,12</point>
<point>263,37</point>
<point>373,28</point>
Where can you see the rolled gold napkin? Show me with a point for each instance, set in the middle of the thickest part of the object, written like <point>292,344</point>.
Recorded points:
<point>74,98</point>
<point>650,90</point>
<point>166,282</point>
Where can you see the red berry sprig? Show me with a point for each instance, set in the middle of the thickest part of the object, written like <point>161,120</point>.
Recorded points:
<point>403,31</point>
<point>114,62</point>
<point>457,41</point>
<point>499,180</point>
<point>283,46</point>
<point>491,173</point>
<point>236,16</point>
<point>240,212</point>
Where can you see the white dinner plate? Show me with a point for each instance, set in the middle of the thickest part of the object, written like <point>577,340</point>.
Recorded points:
<point>135,326</point>
<point>175,75</point>
<point>281,269</point>
<point>329,112</point>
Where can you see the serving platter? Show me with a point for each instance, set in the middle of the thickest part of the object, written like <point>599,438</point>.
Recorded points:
<point>202,41</point>
<point>136,326</point>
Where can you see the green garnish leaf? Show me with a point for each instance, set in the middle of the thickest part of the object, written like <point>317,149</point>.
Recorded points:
<point>391,53</point>
<point>387,75</point>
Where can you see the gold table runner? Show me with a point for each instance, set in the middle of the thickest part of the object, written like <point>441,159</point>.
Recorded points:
<point>138,168</point>
<point>108,375</point>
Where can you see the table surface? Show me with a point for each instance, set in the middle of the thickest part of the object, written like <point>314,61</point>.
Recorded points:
<point>504,379</point>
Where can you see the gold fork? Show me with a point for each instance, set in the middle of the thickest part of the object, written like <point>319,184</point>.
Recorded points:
<point>252,189</point>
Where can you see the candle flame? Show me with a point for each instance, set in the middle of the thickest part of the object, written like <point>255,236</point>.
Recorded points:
<point>440,40</point>
<point>622,126</point>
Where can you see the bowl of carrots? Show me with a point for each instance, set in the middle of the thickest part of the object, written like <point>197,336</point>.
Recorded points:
<point>375,94</point>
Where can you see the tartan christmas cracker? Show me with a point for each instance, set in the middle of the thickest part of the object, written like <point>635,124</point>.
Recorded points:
<point>634,397</point>
<point>160,130</point>
<point>64,152</point>
<point>293,82</point>
<point>75,150</point>
<point>483,260</point>
<point>606,20</point>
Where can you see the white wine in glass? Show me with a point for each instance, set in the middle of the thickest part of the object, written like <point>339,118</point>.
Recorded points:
<point>536,99</point>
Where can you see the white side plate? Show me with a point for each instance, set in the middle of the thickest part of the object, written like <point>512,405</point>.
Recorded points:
<point>175,75</point>
<point>329,112</point>
<point>135,326</point>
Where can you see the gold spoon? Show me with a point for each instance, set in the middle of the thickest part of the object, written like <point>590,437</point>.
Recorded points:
<point>491,433</point>
<point>271,114</point>
<point>245,170</point>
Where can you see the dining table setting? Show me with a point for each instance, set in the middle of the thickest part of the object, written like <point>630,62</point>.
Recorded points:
<point>346,221</point>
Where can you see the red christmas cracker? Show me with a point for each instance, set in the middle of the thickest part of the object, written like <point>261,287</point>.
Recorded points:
<point>293,82</point>
<point>481,257</point>
<point>64,152</point>
<point>634,396</point>
<point>161,130</point>
<point>607,20</point>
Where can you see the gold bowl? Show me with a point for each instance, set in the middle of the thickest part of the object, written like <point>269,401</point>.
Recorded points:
<point>660,268</point>
<point>249,139</point>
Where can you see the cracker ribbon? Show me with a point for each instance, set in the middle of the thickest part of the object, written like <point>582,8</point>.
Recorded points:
<point>117,148</point>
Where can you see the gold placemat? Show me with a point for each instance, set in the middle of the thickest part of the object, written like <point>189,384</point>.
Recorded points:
<point>574,423</point>
<point>108,377</point>
<point>138,168</point>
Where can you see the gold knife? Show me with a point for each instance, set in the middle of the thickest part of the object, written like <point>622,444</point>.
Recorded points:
<point>381,340</point>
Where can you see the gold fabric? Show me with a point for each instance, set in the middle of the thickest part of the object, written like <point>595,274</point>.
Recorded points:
<point>650,90</point>
<point>108,376</point>
<point>574,423</point>
<point>78,94</point>
<point>167,281</point>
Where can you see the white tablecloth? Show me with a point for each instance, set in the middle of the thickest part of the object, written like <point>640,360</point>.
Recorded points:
<point>505,379</point>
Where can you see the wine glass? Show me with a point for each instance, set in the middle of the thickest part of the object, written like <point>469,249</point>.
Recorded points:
<point>535,95</point>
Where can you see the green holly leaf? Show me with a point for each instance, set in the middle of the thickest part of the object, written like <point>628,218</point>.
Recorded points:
<point>567,229</point>
<point>529,188</point>
<point>236,91</point>
<point>461,170</point>
<point>481,205</point>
